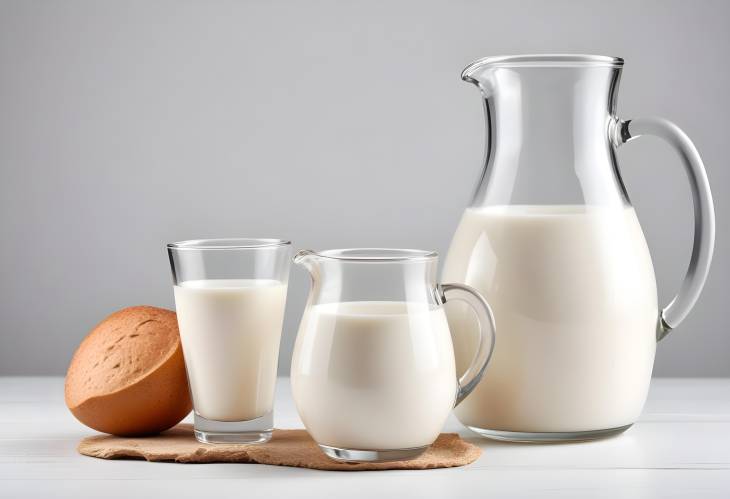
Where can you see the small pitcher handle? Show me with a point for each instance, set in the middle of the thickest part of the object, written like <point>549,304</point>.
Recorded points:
<point>476,301</point>
<point>704,212</point>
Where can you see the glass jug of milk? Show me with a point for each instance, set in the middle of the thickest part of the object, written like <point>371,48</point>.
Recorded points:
<point>373,373</point>
<point>552,242</point>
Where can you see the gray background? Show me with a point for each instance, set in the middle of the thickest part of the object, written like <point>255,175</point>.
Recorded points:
<point>127,125</point>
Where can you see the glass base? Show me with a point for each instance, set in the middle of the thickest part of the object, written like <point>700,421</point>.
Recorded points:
<point>254,431</point>
<point>371,456</point>
<point>549,437</point>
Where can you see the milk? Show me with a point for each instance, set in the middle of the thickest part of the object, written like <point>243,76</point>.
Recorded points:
<point>374,375</point>
<point>230,331</point>
<point>574,298</point>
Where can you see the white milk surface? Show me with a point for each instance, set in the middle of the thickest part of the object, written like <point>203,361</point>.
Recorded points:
<point>230,331</point>
<point>575,303</point>
<point>374,375</point>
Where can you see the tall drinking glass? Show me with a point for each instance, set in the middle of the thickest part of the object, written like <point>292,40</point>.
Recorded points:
<point>230,296</point>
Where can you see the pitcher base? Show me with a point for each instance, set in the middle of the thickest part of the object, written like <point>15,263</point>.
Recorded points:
<point>549,437</point>
<point>372,456</point>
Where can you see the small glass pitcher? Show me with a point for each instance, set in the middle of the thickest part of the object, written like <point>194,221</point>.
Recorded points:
<point>373,372</point>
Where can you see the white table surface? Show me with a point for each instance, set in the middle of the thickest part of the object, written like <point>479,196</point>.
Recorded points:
<point>679,448</point>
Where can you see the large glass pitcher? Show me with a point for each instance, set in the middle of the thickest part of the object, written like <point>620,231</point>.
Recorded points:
<point>551,241</point>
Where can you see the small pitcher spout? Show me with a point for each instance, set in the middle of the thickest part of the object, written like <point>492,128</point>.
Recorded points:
<point>305,258</point>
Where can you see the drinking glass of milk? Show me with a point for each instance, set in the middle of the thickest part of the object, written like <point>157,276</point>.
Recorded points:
<point>373,372</point>
<point>230,296</point>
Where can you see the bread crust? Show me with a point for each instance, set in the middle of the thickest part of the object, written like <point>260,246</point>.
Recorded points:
<point>128,375</point>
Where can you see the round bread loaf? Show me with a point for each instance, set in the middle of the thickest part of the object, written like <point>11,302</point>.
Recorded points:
<point>128,375</point>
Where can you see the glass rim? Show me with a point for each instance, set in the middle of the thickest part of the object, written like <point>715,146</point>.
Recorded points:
<point>544,60</point>
<point>374,255</point>
<point>228,243</point>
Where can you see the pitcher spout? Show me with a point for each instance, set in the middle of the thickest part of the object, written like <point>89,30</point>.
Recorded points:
<point>305,258</point>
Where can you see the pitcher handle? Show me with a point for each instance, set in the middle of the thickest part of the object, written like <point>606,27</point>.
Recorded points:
<point>704,211</point>
<point>476,301</point>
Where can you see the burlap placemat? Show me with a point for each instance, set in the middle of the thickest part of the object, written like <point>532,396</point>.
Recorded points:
<point>286,448</point>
